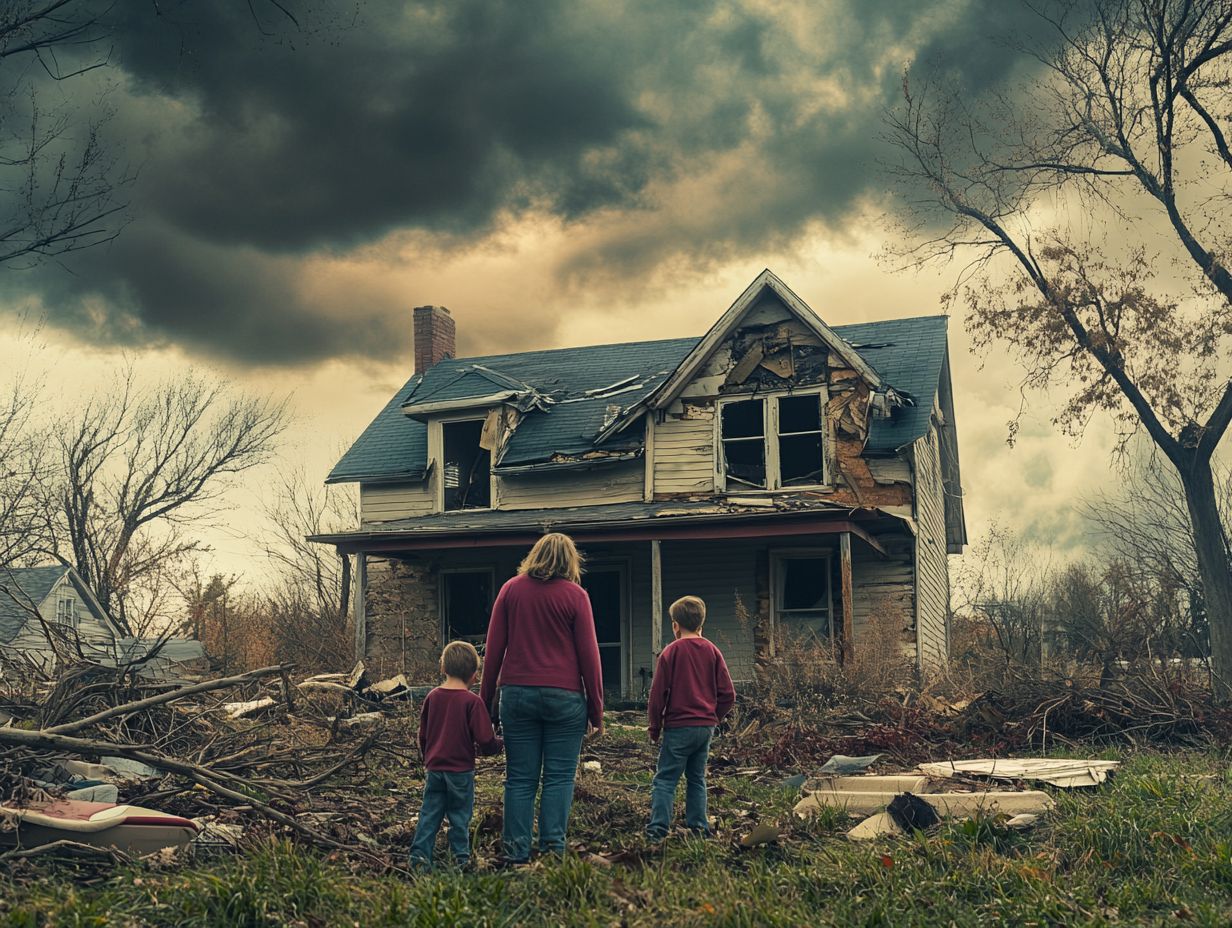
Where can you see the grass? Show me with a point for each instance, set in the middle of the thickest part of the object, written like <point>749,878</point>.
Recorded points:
<point>1151,847</point>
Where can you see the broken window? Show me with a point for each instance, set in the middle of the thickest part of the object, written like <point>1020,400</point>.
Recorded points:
<point>773,442</point>
<point>800,460</point>
<point>744,442</point>
<point>802,595</point>
<point>466,604</point>
<point>467,466</point>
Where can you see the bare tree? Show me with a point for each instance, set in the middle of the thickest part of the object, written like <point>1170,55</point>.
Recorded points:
<point>138,465</point>
<point>309,601</point>
<point>1125,115</point>
<point>23,453</point>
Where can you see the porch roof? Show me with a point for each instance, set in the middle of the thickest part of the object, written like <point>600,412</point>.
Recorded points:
<point>640,521</point>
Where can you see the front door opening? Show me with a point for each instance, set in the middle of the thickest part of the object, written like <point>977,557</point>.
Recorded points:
<point>606,588</point>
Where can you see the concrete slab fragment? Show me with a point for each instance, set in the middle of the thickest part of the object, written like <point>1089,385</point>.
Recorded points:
<point>947,804</point>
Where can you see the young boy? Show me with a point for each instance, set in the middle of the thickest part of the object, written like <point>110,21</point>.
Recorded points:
<point>452,723</point>
<point>691,693</point>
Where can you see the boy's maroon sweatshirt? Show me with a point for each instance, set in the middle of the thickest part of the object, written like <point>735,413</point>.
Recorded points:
<point>542,633</point>
<point>691,686</point>
<point>452,723</point>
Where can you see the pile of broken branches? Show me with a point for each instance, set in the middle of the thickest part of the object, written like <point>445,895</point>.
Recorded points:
<point>269,760</point>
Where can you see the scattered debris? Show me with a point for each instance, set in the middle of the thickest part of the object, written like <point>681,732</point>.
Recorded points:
<point>946,804</point>
<point>911,813</point>
<point>592,766</point>
<point>131,829</point>
<point>841,764</point>
<point>239,710</point>
<point>793,782</point>
<point>1056,772</point>
<point>877,825</point>
<point>765,833</point>
<point>1022,820</point>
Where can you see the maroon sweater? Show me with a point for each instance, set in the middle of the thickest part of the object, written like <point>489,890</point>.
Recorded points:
<point>691,686</point>
<point>542,633</point>
<point>451,724</point>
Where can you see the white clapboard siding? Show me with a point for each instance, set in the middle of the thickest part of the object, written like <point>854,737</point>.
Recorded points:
<point>386,502</point>
<point>932,564</point>
<point>95,635</point>
<point>610,483</point>
<point>882,589</point>
<point>720,572</point>
<point>684,453</point>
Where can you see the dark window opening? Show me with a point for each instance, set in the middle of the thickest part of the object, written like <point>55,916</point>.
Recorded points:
<point>604,585</point>
<point>466,604</point>
<point>466,471</point>
<point>744,442</point>
<point>802,600</point>
<point>800,448</point>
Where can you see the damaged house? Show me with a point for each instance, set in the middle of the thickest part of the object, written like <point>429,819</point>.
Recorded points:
<point>802,479</point>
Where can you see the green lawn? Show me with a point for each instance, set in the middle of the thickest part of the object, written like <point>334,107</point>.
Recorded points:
<point>1153,846</point>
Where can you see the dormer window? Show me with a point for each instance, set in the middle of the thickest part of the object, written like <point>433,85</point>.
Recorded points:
<point>771,442</point>
<point>466,466</point>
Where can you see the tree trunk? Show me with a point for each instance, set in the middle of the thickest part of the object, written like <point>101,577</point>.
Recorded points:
<point>1214,570</point>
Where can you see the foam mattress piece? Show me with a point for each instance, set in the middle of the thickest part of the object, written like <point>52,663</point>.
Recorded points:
<point>131,829</point>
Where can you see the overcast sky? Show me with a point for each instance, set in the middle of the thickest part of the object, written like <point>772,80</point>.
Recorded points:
<point>556,173</point>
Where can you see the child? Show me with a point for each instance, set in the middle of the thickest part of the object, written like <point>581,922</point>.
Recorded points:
<point>452,722</point>
<point>691,693</point>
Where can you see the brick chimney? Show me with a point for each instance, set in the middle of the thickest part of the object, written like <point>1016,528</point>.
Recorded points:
<point>434,336</point>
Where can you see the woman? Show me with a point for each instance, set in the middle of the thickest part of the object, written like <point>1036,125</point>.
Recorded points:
<point>543,653</point>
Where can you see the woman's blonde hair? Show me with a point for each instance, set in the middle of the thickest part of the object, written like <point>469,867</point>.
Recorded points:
<point>554,555</point>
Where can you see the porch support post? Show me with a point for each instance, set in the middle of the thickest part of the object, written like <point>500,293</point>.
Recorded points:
<point>844,549</point>
<point>359,606</point>
<point>656,598</point>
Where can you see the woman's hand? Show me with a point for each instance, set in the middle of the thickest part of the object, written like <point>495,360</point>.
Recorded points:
<point>593,732</point>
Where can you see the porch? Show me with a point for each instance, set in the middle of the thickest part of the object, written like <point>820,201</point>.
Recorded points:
<point>811,573</point>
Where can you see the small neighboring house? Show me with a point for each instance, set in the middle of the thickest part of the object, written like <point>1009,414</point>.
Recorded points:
<point>800,477</point>
<point>65,602</point>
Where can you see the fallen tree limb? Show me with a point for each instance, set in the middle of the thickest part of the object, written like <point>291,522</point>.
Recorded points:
<point>130,707</point>
<point>202,775</point>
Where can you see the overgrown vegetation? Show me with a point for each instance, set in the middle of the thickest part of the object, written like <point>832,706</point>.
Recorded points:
<point>1151,847</point>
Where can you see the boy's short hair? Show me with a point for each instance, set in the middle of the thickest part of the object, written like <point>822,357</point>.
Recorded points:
<point>689,612</point>
<point>460,659</point>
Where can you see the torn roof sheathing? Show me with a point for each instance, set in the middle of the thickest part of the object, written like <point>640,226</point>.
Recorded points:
<point>575,388</point>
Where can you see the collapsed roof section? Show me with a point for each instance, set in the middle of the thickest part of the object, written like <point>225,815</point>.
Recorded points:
<point>577,405</point>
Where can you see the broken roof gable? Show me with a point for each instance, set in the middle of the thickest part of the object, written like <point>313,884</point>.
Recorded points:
<point>766,281</point>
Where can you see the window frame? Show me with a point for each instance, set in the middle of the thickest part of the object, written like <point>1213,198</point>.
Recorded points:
<point>436,449</point>
<point>71,619</point>
<point>442,608</point>
<point>778,575</point>
<point>771,439</point>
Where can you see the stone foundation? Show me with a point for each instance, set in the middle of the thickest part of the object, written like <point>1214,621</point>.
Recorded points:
<point>403,619</point>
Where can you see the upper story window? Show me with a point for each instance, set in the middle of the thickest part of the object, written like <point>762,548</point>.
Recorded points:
<point>466,470</point>
<point>771,442</point>
<point>66,610</point>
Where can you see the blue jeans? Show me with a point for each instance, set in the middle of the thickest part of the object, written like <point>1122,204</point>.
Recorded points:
<point>543,728</point>
<point>446,795</point>
<point>683,750</point>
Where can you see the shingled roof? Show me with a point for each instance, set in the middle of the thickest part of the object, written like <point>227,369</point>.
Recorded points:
<point>23,587</point>
<point>908,353</point>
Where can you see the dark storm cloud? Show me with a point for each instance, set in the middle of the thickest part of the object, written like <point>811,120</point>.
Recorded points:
<point>450,117</point>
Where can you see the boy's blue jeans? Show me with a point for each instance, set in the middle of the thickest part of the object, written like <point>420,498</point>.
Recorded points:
<point>543,728</point>
<point>682,750</point>
<point>447,794</point>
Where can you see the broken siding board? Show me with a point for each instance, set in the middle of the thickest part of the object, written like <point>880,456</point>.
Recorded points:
<point>889,470</point>
<point>683,458</point>
<point>932,564</point>
<point>389,502</point>
<point>883,589</point>
<point>610,483</point>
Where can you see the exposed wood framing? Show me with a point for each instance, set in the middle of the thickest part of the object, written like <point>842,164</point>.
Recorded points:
<point>359,606</point>
<point>656,597</point>
<point>844,553</point>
